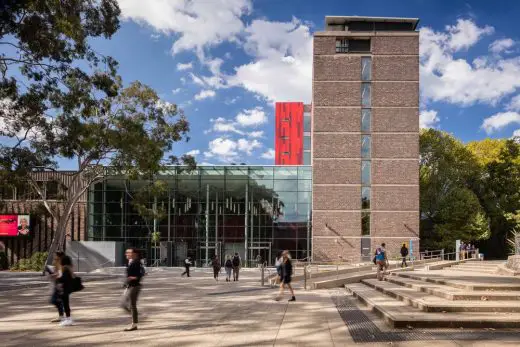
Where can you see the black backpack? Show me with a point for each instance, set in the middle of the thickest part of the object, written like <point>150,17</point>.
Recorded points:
<point>236,261</point>
<point>229,263</point>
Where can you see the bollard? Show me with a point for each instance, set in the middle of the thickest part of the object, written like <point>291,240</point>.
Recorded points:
<point>305,277</point>
<point>263,277</point>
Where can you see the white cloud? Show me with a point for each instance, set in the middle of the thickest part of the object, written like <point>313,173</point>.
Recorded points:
<point>231,101</point>
<point>204,94</point>
<point>176,90</point>
<point>514,103</point>
<point>223,125</point>
<point>199,24</point>
<point>194,152</point>
<point>516,133</point>
<point>500,121</point>
<point>269,154</point>
<point>252,117</point>
<point>502,45</point>
<point>256,134</point>
<point>248,146</point>
<point>459,81</point>
<point>428,119</point>
<point>282,65</point>
<point>222,149</point>
<point>186,66</point>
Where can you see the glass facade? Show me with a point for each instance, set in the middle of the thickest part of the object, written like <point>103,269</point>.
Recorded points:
<point>210,210</point>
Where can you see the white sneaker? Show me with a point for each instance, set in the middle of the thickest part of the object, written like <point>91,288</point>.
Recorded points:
<point>66,322</point>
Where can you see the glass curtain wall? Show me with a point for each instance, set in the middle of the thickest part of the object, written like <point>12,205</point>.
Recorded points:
<point>222,210</point>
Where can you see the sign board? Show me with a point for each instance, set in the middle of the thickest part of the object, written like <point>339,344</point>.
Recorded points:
<point>13,225</point>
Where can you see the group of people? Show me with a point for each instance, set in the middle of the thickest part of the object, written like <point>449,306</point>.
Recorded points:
<point>232,266</point>
<point>466,250</point>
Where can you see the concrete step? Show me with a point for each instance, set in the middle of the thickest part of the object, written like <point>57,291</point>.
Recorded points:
<point>430,303</point>
<point>450,293</point>
<point>479,264</point>
<point>474,269</point>
<point>473,284</point>
<point>400,315</point>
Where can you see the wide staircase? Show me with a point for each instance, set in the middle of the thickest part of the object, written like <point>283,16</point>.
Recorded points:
<point>466,295</point>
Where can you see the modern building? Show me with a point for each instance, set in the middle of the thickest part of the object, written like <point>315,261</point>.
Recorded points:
<point>365,134</point>
<point>292,133</point>
<point>362,188</point>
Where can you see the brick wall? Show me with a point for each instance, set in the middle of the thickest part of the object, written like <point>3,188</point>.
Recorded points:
<point>336,223</point>
<point>334,171</point>
<point>395,171</point>
<point>332,145</point>
<point>335,198</point>
<point>337,68</point>
<point>337,119</point>
<point>395,94</point>
<point>395,119</point>
<point>403,145</point>
<point>337,94</point>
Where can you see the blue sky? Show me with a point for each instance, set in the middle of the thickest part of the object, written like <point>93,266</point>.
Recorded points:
<point>225,62</point>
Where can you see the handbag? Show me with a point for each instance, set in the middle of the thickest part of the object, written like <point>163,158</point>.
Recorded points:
<point>77,284</point>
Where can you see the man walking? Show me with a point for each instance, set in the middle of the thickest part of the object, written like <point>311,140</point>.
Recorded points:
<point>134,273</point>
<point>187,264</point>
<point>236,266</point>
<point>404,254</point>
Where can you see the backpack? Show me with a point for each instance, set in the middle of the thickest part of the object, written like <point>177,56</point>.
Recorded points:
<point>236,261</point>
<point>380,255</point>
<point>229,263</point>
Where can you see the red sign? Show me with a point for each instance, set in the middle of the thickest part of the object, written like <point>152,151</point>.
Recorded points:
<point>15,225</point>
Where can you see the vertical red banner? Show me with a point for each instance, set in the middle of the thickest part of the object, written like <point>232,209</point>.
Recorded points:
<point>289,133</point>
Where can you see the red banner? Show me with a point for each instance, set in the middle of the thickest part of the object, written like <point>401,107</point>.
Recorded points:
<point>15,225</point>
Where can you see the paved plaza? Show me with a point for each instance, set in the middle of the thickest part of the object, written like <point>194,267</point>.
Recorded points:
<point>196,311</point>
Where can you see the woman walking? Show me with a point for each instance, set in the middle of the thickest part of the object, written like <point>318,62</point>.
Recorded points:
<point>216,267</point>
<point>278,265</point>
<point>286,272</point>
<point>229,268</point>
<point>54,274</point>
<point>64,288</point>
<point>134,273</point>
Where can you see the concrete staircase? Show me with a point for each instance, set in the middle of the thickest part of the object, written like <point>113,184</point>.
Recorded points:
<point>468,295</point>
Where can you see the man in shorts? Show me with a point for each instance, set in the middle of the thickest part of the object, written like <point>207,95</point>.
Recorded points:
<point>381,261</point>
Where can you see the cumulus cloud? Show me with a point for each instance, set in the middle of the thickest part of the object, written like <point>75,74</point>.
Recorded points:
<point>269,154</point>
<point>428,119</point>
<point>224,125</point>
<point>459,81</point>
<point>500,121</point>
<point>198,24</point>
<point>502,45</point>
<point>222,149</point>
<point>514,103</point>
<point>251,117</point>
<point>516,133</point>
<point>186,66</point>
<point>204,94</point>
<point>176,90</point>
<point>193,153</point>
<point>247,146</point>
<point>256,134</point>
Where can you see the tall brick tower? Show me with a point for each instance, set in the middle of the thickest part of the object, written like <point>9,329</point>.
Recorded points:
<point>365,133</point>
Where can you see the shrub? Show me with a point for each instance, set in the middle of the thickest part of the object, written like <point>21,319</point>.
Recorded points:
<point>34,263</point>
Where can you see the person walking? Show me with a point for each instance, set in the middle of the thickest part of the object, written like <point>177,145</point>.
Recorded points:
<point>381,261</point>
<point>134,273</point>
<point>236,266</point>
<point>258,260</point>
<point>64,288</point>
<point>54,274</point>
<point>216,267</point>
<point>229,268</point>
<point>462,250</point>
<point>278,265</point>
<point>404,254</point>
<point>187,264</point>
<point>287,271</point>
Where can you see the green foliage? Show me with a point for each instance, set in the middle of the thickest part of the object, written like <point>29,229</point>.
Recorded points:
<point>156,236</point>
<point>35,263</point>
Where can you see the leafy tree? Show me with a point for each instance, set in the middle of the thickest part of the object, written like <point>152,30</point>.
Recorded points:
<point>60,99</point>
<point>449,208</point>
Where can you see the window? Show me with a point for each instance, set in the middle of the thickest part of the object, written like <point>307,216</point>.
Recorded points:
<point>365,172</point>
<point>365,146</point>
<point>366,68</point>
<point>306,158</point>
<point>286,153</point>
<point>365,120</point>
<point>365,223</point>
<point>365,198</point>
<point>366,95</point>
<point>52,190</point>
<point>307,123</point>
<point>352,46</point>
<point>306,142</point>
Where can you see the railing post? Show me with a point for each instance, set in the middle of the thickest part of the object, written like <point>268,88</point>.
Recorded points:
<point>305,277</point>
<point>263,276</point>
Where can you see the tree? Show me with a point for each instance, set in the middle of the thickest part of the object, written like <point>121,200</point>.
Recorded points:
<point>450,210</point>
<point>60,99</point>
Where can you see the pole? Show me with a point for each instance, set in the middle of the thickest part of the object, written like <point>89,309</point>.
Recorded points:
<point>207,222</point>
<point>308,237</point>
<point>245,224</point>
<point>252,256</point>
<point>217,248</point>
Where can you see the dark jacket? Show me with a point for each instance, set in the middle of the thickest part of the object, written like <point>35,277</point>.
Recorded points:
<point>286,269</point>
<point>66,280</point>
<point>404,251</point>
<point>134,269</point>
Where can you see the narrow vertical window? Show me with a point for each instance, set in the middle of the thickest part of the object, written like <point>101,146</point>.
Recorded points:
<point>366,114</point>
<point>365,223</point>
<point>365,198</point>
<point>366,68</point>
<point>365,94</point>
<point>365,172</point>
<point>365,146</point>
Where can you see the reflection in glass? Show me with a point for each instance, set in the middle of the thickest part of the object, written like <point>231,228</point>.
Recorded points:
<point>306,142</point>
<point>307,122</point>
<point>365,119</point>
<point>366,95</point>
<point>366,68</point>
<point>306,158</point>
<point>365,172</point>
<point>285,173</point>
<point>365,146</point>
<point>365,198</point>
<point>365,223</point>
